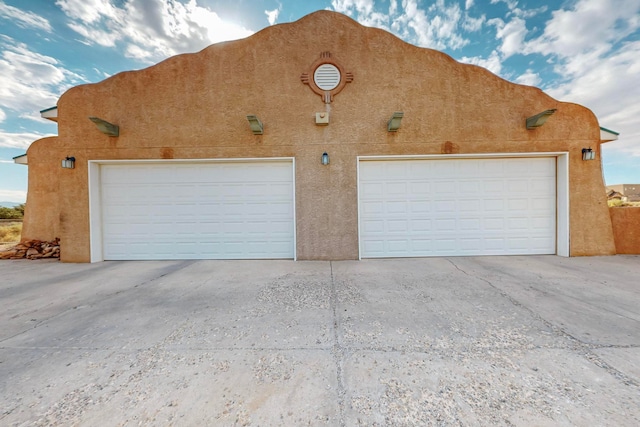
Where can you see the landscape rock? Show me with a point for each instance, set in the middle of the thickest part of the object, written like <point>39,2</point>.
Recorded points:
<point>33,249</point>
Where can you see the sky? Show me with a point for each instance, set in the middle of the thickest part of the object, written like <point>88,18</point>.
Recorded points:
<point>583,51</point>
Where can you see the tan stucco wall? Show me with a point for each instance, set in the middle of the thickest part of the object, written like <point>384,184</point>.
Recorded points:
<point>195,106</point>
<point>42,214</point>
<point>626,229</point>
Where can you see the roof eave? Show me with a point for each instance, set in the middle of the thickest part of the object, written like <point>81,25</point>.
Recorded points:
<point>21,159</point>
<point>608,135</point>
<point>50,114</point>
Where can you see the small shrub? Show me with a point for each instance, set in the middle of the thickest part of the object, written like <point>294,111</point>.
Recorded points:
<point>615,203</point>
<point>16,212</point>
<point>10,231</point>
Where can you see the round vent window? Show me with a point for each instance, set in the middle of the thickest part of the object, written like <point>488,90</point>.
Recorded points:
<point>327,77</point>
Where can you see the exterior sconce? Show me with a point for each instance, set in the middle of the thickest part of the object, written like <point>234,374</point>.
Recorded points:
<point>69,162</point>
<point>539,119</point>
<point>394,122</point>
<point>325,159</point>
<point>588,154</point>
<point>105,127</point>
<point>255,124</point>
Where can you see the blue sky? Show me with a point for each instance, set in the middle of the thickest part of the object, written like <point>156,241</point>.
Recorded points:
<point>584,51</point>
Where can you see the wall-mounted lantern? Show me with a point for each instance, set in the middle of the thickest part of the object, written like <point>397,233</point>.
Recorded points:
<point>588,154</point>
<point>69,162</point>
<point>325,159</point>
<point>255,124</point>
<point>539,119</point>
<point>394,122</point>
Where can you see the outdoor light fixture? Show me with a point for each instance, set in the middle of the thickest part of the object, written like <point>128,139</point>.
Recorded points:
<point>325,159</point>
<point>69,162</point>
<point>539,119</point>
<point>255,124</point>
<point>588,154</point>
<point>394,122</point>
<point>105,127</point>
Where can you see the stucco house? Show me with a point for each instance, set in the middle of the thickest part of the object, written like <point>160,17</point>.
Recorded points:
<point>320,139</point>
<point>631,192</point>
<point>615,195</point>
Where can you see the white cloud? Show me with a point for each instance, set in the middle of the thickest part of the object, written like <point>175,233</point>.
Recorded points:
<point>362,7</point>
<point>30,81</point>
<point>468,4</point>
<point>436,27</point>
<point>32,115</point>
<point>608,85</point>
<point>95,35</point>
<point>101,73</point>
<point>529,13</point>
<point>272,15</point>
<point>493,63</point>
<point>88,11</point>
<point>511,4</point>
<point>3,115</point>
<point>24,19</point>
<point>393,7</point>
<point>529,78</point>
<point>363,11</point>
<point>17,196</point>
<point>580,41</point>
<point>149,30</point>
<point>512,35</point>
<point>589,25</point>
<point>473,24</point>
<point>19,139</point>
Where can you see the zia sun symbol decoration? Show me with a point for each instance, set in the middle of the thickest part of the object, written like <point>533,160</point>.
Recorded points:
<point>326,77</point>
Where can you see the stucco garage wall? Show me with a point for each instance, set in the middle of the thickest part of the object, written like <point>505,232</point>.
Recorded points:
<point>194,106</point>
<point>626,229</point>
<point>42,215</point>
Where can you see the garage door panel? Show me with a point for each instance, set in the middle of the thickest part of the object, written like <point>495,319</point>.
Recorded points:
<point>419,206</point>
<point>472,224</point>
<point>466,206</point>
<point>198,210</point>
<point>467,188</point>
<point>421,225</point>
<point>457,207</point>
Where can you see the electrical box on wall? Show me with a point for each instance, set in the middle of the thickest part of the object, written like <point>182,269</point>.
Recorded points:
<point>322,119</point>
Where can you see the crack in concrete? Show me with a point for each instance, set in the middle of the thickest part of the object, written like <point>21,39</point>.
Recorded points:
<point>337,351</point>
<point>599,307</point>
<point>583,346</point>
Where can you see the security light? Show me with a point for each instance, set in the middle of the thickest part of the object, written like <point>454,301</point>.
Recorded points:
<point>255,124</point>
<point>394,122</point>
<point>105,127</point>
<point>539,119</point>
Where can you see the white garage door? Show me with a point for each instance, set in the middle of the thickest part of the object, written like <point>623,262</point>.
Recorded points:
<point>230,210</point>
<point>502,206</point>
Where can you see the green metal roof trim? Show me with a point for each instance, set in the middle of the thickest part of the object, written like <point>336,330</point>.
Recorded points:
<point>48,109</point>
<point>609,130</point>
<point>17,157</point>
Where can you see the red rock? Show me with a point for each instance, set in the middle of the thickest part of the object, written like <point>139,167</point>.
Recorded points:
<point>32,251</point>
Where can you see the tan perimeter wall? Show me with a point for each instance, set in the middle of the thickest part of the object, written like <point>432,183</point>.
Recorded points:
<point>194,106</point>
<point>626,229</point>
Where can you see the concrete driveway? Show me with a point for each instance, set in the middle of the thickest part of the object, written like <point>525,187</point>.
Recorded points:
<point>537,340</point>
